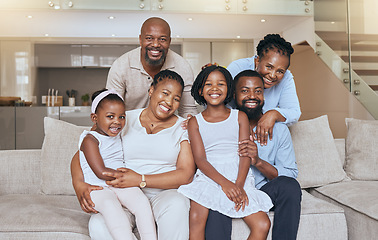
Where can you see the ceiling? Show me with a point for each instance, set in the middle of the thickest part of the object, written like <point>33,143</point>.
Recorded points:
<point>126,24</point>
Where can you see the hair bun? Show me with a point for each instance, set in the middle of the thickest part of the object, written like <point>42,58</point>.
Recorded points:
<point>209,65</point>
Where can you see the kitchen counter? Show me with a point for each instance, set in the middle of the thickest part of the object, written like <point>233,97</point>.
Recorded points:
<point>22,127</point>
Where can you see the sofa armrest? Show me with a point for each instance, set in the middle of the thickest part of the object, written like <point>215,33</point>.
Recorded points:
<point>20,171</point>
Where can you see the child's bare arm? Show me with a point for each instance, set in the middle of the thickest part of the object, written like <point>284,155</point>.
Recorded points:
<point>198,149</point>
<point>244,162</point>
<point>89,146</point>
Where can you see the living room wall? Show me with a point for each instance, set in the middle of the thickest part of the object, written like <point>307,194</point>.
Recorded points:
<point>320,92</point>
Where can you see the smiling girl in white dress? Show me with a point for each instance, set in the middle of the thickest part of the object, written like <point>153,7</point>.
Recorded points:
<point>223,181</point>
<point>100,151</point>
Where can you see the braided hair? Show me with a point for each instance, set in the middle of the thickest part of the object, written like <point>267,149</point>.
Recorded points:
<point>274,42</point>
<point>168,74</point>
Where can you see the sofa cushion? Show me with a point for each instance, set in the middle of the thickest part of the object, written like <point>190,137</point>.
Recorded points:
<point>59,145</point>
<point>359,200</point>
<point>20,171</point>
<point>41,213</point>
<point>359,195</point>
<point>319,220</point>
<point>362,149</point>
<point>315,150</point>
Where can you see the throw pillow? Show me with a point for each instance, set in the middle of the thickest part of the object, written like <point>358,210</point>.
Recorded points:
<point>362,149</point>
<point>59,145</point>
<point>315,150</point>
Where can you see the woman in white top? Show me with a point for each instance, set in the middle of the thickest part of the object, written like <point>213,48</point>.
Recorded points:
<point>158,159</point>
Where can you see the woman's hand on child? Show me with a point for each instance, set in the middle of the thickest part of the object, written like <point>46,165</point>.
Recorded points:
<point>184,124</point>
<point>83,191</point>
<point>248,148</point>
<point>124,178</point>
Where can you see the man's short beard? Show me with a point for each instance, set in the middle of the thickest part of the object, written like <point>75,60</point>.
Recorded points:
<point>252,113</point>
<point>158,62</point>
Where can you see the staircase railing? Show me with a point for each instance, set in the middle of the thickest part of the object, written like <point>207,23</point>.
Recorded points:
<point>351,80</point>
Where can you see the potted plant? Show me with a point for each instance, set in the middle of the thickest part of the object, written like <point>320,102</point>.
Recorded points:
<point>85,99</point>
<point>71,97</point>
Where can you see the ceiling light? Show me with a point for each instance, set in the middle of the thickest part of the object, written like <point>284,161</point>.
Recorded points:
<point>237,36</point>
<point>332,22</point>
<point>262,20</point>
<point>177,36</point>
<point>113,35</point>
<point>30,16</point>
<point>111,17</point>
<point>190,19</point>
<point>46,34</point>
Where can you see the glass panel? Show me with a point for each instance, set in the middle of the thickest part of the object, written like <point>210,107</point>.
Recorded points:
<point>331,25</point>
<point>364,52</point>
<point>333,61</point>
<point>363,92</point>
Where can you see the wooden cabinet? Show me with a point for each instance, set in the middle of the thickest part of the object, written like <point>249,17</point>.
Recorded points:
<point>103,55</point>
<point>82,4</point>
<point>7,128</point>
<point>79,55</point>
<point>195,6</point>
<point>199,53</point>
<point>276,7</point>
<point>58,55</point>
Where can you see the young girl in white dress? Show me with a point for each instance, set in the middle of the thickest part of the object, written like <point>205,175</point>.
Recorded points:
<point>100,151</point>
<point>223,181</point>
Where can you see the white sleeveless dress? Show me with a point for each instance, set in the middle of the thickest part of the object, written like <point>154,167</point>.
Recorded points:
<point>111,152</point>
<point>220,140</point>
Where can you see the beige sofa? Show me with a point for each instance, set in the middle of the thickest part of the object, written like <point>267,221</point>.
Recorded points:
<point>37,199</point>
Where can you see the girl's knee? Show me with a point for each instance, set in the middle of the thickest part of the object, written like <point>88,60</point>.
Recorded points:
<point>264,225</point>
<point>197,216</point>
<point>258,222</point>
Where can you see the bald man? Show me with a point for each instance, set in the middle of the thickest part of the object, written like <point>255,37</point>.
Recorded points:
<point>131,74</point>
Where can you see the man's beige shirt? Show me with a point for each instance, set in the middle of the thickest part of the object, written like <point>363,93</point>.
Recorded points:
<point>128,77</point>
